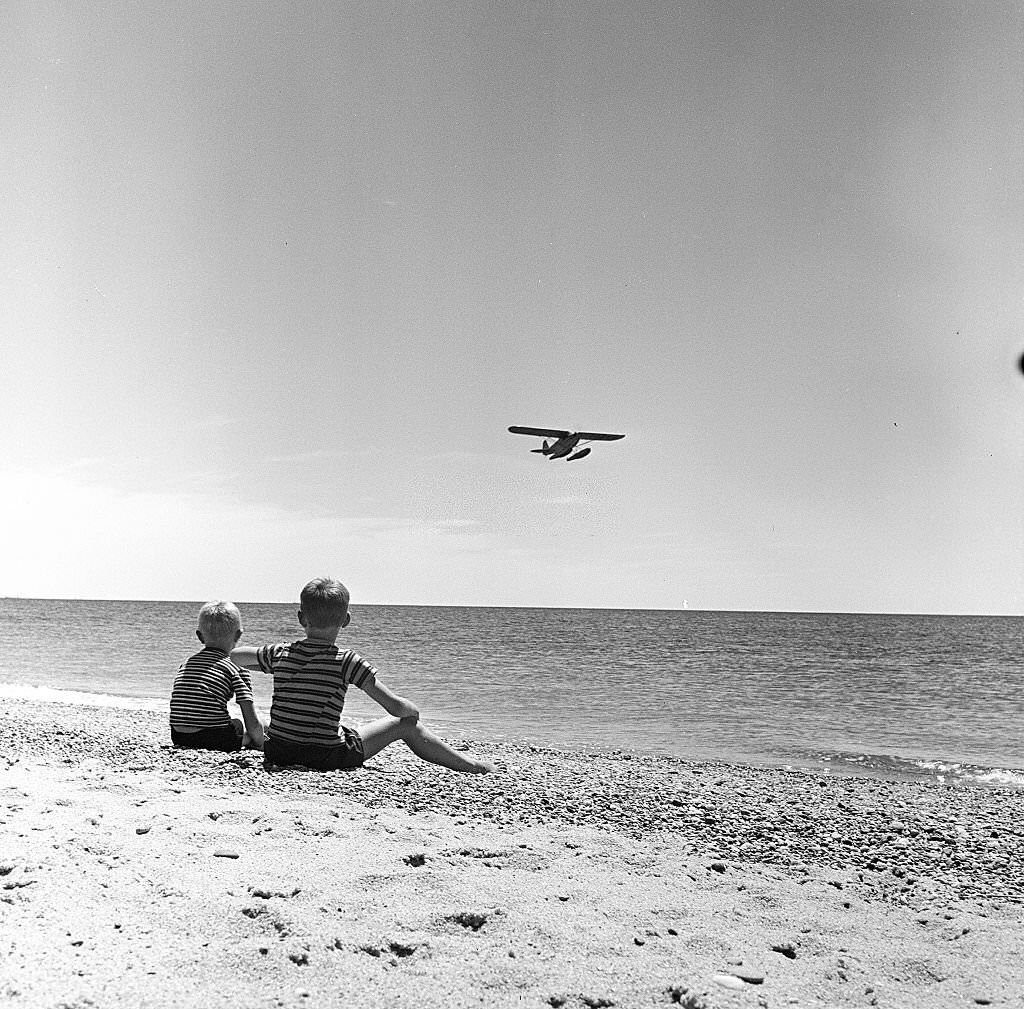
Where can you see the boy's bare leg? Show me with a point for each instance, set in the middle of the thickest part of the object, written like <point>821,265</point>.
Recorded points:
<point>385,731</point>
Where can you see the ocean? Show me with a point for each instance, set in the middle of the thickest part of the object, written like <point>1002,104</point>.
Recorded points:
<point>898,697</point>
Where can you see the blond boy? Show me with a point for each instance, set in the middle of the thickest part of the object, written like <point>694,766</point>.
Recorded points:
<point>207,681</point>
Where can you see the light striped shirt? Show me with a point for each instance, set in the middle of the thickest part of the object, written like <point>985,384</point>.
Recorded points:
<point>204,685</point>
<point>310,681</point>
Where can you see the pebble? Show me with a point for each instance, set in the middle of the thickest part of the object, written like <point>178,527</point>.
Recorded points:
<point>727,981</point>
<point>748,973</point>
<point>225,853</point>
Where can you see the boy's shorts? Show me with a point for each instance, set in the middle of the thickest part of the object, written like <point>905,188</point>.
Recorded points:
<point>224,738</point>
<point>346,754</point>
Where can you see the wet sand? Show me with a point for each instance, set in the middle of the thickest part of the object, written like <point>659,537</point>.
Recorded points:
<point>133,874</point>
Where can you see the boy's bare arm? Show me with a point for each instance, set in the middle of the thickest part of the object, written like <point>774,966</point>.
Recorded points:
<point>245,656</point>
<point>392,703</point>
<point>253,726</point>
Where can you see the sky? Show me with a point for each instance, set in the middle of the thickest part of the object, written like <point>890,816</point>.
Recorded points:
<point>277,277</point>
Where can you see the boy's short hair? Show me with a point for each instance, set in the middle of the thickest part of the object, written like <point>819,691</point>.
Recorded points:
<point>219,618</point>
<point>324,602</point>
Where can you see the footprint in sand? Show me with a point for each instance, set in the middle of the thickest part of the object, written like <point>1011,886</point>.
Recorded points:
<point>501,858</point>
<point>396,948</point>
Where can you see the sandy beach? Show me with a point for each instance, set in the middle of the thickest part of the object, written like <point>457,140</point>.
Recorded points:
<point>133,874</point>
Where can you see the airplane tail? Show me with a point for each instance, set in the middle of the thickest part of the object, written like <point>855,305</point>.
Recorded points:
<point>544,449</point>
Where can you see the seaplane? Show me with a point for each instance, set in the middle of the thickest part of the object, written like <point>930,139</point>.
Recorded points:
<point>565,443</point>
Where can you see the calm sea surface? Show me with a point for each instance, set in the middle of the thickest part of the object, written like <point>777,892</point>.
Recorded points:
<point>894,696</point>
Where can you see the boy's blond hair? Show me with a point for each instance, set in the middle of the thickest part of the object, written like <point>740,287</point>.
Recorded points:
<point>219,619</point>
<point>324,602</point>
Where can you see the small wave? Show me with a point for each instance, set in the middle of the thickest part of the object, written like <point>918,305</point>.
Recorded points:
<point>1002,777</point>
<point>49,695</point>
<point>943,772</point>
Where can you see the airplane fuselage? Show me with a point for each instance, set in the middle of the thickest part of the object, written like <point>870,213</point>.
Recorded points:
<point>563,446</point>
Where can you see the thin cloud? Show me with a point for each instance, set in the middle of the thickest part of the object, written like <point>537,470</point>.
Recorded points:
<point>319,455</point>
<point>214,422</point>
<point>568,499</point>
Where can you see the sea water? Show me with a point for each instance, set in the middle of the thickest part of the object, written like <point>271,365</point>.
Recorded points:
<point>935,697</point>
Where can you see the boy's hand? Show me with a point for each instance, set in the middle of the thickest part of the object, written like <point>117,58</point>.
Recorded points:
<point>254,741</point>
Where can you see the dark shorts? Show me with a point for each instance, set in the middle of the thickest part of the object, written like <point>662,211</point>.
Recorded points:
<point>224,738</point>
<point>346,754</point>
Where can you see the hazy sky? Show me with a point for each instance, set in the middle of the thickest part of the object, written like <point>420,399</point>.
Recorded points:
<point>277,277</point>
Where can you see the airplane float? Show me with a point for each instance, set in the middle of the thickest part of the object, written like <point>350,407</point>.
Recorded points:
<point>565,441</point>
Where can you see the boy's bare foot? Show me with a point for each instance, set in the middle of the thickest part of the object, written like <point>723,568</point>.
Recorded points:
<point>484,767</point>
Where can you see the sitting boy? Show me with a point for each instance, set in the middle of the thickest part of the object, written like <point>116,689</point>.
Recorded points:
<point>205,683</point>
<point>311,677</point>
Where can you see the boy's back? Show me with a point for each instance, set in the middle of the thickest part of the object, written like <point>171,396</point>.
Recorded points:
<point>311,678</point>
<point>206,682</point>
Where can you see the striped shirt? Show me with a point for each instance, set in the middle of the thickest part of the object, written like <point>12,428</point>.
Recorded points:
<point>202,689</point>
<point>310,680</point>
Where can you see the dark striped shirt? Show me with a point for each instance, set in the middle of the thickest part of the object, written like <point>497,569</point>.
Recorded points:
<point>310,680</point>
<point>202,689</point>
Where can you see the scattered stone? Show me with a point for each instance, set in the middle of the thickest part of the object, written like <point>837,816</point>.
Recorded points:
<point>727,981</point>
<point>225,853</point>
<point>682,995</point>
<point>748,973</point>
<point>787,949</point>
<point>142,830</point>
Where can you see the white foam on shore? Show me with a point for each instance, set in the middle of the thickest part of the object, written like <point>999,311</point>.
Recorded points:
<point>48,695</point>
<point>998,776</point>
<point>899,768</point>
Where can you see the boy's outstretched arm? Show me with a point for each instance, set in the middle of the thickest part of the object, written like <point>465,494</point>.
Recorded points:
<point>245,656</point>
<point>392,703</point>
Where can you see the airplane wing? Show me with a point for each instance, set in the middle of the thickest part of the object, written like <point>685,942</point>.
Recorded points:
<point>597,436</point>
<point>540,432</point>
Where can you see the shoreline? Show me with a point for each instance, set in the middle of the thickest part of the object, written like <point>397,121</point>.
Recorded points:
<point>134,874</point>
<point>878,767</point>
